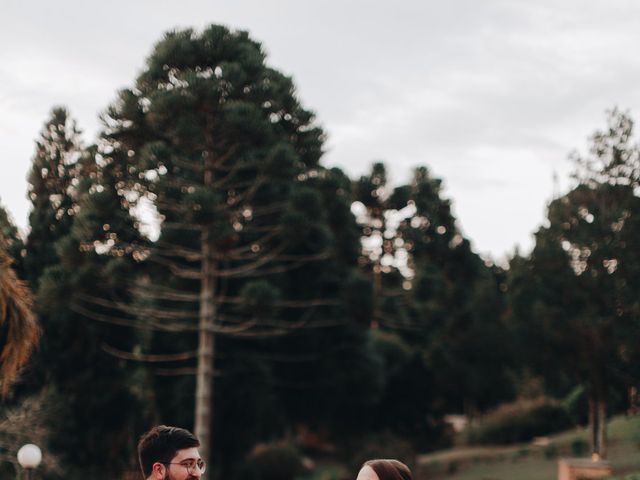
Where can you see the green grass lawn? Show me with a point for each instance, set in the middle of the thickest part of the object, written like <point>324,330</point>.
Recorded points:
<point>532,462</point>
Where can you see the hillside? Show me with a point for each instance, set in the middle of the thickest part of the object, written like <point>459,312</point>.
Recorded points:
<point>533,461</point>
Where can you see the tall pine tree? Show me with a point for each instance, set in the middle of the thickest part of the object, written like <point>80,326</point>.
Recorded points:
<point>77,215</point>
<point>218,142</point>
<point>576,298</point>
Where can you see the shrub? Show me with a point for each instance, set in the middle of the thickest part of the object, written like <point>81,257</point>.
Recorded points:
<point>273,461</point>
<point>550,451</point>
<point>575,403</point>
<point>520,454</point>
<point>520,422</point>
<point>579,447</point>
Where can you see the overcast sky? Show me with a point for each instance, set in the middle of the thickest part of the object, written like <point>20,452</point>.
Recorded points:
<point>492,96</point>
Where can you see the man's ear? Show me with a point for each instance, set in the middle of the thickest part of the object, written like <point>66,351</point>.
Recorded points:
<point>157,471</point>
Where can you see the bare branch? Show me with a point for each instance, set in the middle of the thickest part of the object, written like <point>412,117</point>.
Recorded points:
<point>150,358</point>
<point>314,302</point>
<point>182,226</point>
<point>232,330</point>
<point>398,326</point>
<point>148,324</point>
<point>175,372</point>
<point>157,292</point>
<point>286,268</point>
<point>173,250</point>
<point>161,313</point>
<point>177,270</point>
<point>251,266</point>
<point>194,167</point>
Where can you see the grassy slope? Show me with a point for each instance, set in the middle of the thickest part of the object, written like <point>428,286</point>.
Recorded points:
<point>529,462</point>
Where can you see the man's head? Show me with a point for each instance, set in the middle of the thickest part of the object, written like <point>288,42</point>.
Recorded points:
<point>170,453</point>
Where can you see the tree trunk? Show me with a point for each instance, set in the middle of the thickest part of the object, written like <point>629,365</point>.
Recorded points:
<point>206,348</point>
<point>598,427</point>
<point>206,340</point>
<point>377,293</point>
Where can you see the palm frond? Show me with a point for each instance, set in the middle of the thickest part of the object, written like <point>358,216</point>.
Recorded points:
<point>19,329</point>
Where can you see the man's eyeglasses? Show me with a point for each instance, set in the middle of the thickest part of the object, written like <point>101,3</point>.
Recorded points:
<point>191,466</point>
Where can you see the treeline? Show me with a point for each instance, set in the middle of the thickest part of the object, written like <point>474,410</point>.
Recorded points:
<point>276,300</point>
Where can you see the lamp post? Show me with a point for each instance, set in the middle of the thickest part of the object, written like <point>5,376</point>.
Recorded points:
<point>29,457</point>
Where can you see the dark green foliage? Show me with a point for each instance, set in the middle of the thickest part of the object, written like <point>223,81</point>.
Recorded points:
<point>273,461</point>
<point>51,191</point>
<point>576,405</point>
<point>455,306</point>
<point>73,349</point>
<point>248,409</point>
<point>76,254</point>
<point>408,405</point>
<point>575,299</point>
<point>405,405</point>
<point>391,349</point>
<point>444,304</point>
<point>315,387</point>
<point>579,447</point>
<point>520,422</point>
<point>11,241</point>
<point>359,298</point>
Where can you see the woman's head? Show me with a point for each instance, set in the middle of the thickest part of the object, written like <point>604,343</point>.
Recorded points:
<point>384,469</point>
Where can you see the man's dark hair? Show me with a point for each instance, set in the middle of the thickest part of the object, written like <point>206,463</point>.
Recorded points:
<point>161,443</point>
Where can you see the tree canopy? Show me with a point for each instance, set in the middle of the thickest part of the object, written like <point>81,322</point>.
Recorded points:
<point>577,293</point>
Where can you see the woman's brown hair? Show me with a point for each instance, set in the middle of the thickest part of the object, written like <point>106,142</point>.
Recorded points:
<point>389,469</point>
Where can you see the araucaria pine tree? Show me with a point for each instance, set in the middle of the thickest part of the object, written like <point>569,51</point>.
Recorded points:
<point>219,144</point>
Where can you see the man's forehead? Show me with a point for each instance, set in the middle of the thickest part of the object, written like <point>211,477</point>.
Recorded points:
<point>186,454</point>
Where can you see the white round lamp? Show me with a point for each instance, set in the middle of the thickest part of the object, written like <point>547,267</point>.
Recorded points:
<point>29,457</point>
